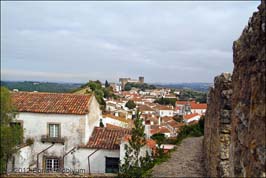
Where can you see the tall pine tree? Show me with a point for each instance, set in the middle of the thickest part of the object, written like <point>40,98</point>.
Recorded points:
<point>134,164</point>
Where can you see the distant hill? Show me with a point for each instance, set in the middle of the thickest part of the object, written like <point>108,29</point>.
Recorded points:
<point>203,87</point>
<point>40,86</point>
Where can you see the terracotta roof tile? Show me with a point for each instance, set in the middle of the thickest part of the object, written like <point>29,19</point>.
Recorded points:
<point>189,116</point>
<point>198,106</point>
<point>167,119</point>
<point>162,129</point>
<point>111,126</point>
<point>163,107</point>
<point>184,102</point>
<point>143,108</point>
<point>175,124</point>
<point>106,138</point>
<point>59,103</point>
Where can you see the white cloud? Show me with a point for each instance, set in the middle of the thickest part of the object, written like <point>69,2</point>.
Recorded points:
<point>163,41</point>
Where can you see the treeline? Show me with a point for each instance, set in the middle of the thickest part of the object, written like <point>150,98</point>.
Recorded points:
<point>166,101</point>
<point>141,86</point>
<point>40,86</point>
<point>191,94</point>
<point>99,91</point>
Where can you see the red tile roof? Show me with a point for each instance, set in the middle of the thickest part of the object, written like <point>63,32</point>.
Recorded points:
<point>189,116</point>
<point>193,104</point>
<point>198,106</point>
<point>160,130</point>
<point>58,103</point>
<point>111,126</point>
<point>185,102</point>
<point>167,119</point>
<point>106,138</point>
<point>175,124</point>
<point>143,108</point>
<point>163,107</point>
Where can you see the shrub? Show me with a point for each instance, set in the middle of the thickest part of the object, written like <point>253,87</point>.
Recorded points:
<point>195,130</point>
<point>130,104</point>
<point>29,141</point>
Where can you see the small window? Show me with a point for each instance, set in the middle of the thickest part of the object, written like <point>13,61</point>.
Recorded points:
<point>54,130</point>
<point>15,124</point>
<point>111,165</point>
<point>52,164</point>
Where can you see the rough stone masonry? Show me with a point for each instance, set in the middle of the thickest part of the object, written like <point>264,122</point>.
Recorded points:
<point>217,131</point>
<point>235,125</point>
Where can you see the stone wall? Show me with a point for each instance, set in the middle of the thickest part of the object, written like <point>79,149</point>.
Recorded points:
<point>217,127</point>
<point>248,147</point>
<point>235,124</point>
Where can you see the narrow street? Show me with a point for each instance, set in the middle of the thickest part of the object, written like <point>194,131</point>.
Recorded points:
<point>186,161</point>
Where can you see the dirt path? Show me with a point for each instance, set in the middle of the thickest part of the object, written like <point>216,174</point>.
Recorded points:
<point>186,161</point>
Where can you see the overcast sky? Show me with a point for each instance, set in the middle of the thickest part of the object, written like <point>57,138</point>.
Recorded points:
<point>80,41</point>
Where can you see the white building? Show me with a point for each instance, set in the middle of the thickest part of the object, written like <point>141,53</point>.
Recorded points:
<point>116,121</point>
<point>57,123</point>
<point>164,111</point>
<point>65,135</point>
<point>191,117</point>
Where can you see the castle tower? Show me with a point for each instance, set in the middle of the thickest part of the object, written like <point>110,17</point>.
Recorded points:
<point>141,79</point>
<point>123,82</point>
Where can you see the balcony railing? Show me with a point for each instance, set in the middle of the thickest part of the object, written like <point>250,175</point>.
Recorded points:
<point>46,138</point>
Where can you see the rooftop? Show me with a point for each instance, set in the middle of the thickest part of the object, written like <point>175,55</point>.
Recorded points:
<point>189,116</point>
<point>107,138</point>
<point>144,108</point>
<point>57,103</point>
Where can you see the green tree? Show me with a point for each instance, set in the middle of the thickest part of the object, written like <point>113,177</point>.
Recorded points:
<point>178,118</point>
<point>160,139</point>
<point>130,104</point>
<point>101,123</point>
<point>11,135</point>
<point>128,87</point>
<point>166,101</point>
<point>134,164</point>
<point>106,84</point>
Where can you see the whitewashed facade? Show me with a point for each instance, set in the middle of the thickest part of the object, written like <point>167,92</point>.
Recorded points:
<point>74,130</point>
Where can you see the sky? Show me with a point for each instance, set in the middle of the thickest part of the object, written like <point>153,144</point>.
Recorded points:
<point>166,42</point>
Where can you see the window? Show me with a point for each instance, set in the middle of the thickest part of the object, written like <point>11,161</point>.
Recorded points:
<point>54,130</point>
<point>51,164</point>
<point>15,124</point>
<point>111,165</point>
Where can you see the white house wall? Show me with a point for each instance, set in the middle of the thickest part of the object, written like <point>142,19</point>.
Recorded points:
<point>21,159</point>
<point>93,117</point>
<point>79,159</point>
<point>196,118</point>
<point>36,124</point>
<point>163,113</point>
<point>199,111</point>
<point>109,120</point>
<point>75,129</point>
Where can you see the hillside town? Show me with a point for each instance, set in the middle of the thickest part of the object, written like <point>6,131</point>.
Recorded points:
<point>74,132</point>
<point>133,89</point>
